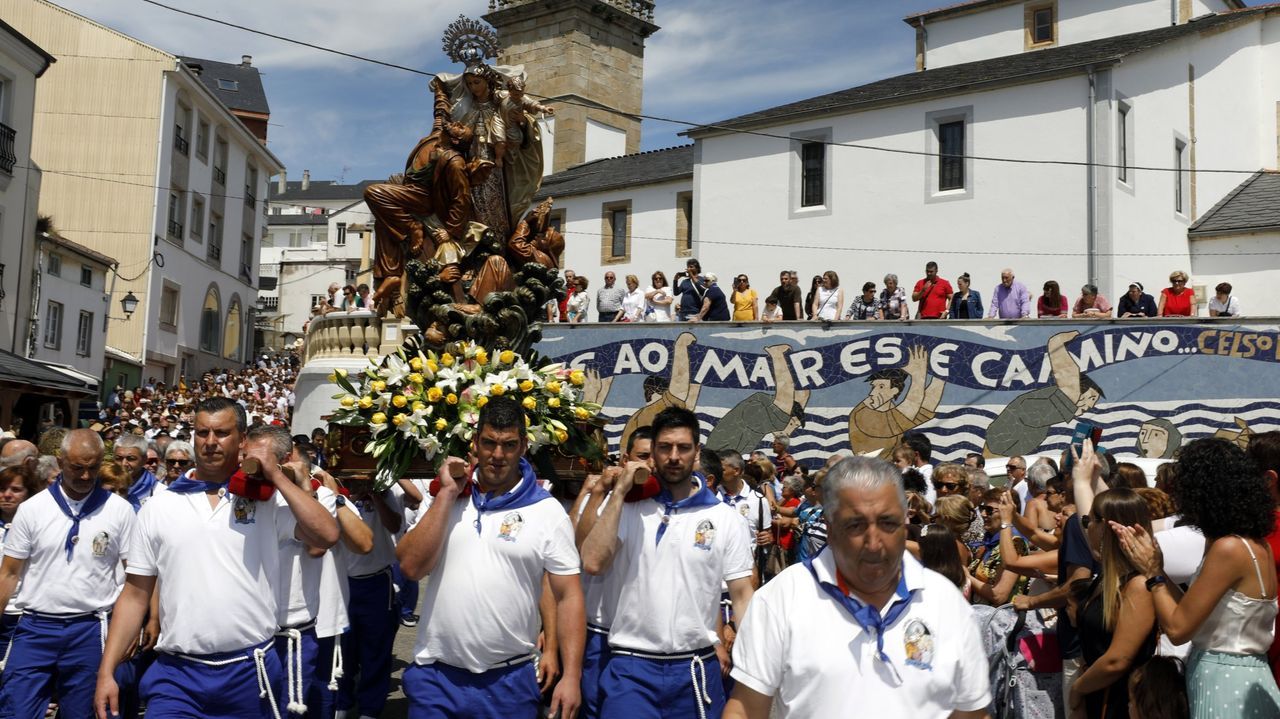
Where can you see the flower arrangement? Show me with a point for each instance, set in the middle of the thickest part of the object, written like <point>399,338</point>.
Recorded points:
<point>418,403</point>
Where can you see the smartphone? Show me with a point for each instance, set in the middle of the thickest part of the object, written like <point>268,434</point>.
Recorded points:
<point>1084,430</point>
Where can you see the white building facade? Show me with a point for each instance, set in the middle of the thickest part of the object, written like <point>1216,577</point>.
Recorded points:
<point>74,310</point>
<point>144,163</point>
<point>22,61</point>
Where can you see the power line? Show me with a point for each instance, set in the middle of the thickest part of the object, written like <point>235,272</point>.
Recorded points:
<point>713,126</point>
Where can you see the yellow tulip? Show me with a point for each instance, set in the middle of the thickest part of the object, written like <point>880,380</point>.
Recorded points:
<point>554,403</point>
<point>497,390</point>
<point>419,407</point>
<point>446,360</point>
<point>433,365</point>
<point>434,394</point>
<point>398,420</point>
<point>577,377</point>
<point>415,364</point>
<point>530,403</point>
<point>451,398</point>
<point>416,378</point>
<point>507,357</point>
<point>482,357</point>
<point>561,436</point>
<point>581,413</point>
<point>333,377</point>
<point>378,418</point>
<point>526,386</point>
<point>348,402</point>
<point>441,425</point>
<point>481,401</point>
<point>553,387</point>
<point>366,402</point>
<point>379,386</point>
<point>399,400</point>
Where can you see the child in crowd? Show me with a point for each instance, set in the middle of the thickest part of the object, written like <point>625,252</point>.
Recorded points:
<point>772,313</point>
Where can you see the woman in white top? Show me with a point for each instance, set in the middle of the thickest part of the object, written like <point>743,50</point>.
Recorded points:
<point>580,302</point>
<point>828,299</point>
<point>633,303</point>
<point>1223,304</point>
<point>658,298</point>
<point>17,485</point>
<point>1229,611</point>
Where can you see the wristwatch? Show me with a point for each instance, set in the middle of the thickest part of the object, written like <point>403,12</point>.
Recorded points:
<point>339,500</point>
<point>1005,525</point>
<point>1155,581</point>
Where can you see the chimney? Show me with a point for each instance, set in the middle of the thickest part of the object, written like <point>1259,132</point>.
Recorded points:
<point>283,187</point>
<point>246,61</point>
<point>306,180</point>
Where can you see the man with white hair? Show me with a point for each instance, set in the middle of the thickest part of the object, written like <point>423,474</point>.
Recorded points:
<point>1010,300</point>
<point>715,306</point>
<point>877,625</point>
<point>130,451</point>
<point>67,543</point>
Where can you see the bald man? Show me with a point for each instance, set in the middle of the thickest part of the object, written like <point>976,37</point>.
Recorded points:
<point>68,542</point>
<point>17,451</point>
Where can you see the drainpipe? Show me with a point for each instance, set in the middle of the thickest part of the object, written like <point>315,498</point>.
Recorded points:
<point>1092,200</point>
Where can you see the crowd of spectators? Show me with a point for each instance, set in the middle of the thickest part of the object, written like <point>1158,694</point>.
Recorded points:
<point>693,295</point>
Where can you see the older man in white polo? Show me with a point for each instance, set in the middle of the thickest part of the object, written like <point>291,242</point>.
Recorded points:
<point>877,626</point>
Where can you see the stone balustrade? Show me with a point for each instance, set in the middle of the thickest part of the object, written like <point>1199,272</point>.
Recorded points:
<point>339,335</point>
<point>642,9</point>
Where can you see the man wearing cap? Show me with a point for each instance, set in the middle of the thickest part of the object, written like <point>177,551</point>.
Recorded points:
<point>67,544</point>
<point>1136,303</point>
<point>217,551</point>
<point>876,625</point>
<point>673,549</point>
<point>490,536</point>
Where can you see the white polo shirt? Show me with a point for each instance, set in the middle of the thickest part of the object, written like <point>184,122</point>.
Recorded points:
<point>751,505</point>
<point>88,582</point>
<point>300,574</point>
<point>219,568</point>
<point>600,592</point>
<point>800,646</point>
<point>670,591</point>
<point>13,608</point>
<point>482,598</point>
<point>384,543</point>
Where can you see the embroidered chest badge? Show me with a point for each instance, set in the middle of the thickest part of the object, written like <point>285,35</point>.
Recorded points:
<point>918,645</point>
<point>100,542</point>
<point>704,535</point>
<point>510,526</point>
<point>244,509</point>
<point>743,508</point>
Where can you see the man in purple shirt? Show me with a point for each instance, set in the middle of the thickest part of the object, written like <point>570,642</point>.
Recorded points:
<point>1010,300</point>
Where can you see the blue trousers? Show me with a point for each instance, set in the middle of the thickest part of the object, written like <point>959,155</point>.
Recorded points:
<point>407,591</point>
<point>128,677</point>
<point>8,623</point>
<point>186,689</point>
<point>310,656</point>
<point>52,656</point>
<point>324,703</point>
<point>638,688</point>
<point>367,646</point>
<point>594,660</point>
<point>439,691</point>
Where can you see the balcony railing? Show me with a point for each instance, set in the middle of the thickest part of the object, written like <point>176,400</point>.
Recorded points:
<point>175,229</point>
<point>181,144</point>
<point>8,156</point>
<point>219,175</point>
<point>357,333</point>
<point>249,199</point>
<point>215,252</point>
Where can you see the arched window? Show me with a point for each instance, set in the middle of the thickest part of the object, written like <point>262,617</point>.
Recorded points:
<point>232,333</point>
<point>211,321</point>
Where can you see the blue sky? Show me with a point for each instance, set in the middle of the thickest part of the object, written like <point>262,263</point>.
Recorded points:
<point>344,119</point>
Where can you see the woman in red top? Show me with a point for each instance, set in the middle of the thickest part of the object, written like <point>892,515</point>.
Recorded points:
<point>1052,303</point>
<point>1177,300</point>
<point>792,491</point>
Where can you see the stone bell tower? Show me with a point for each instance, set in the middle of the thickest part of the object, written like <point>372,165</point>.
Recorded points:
<point>588,52</point>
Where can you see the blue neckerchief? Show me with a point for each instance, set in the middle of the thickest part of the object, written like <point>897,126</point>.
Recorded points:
<point>731,500</point>
<point>701,497</point>
<point>867,616</point>
<point>188,484</point>
<point>92,503</point>
<point>142,488</point>
<point>526,492</point>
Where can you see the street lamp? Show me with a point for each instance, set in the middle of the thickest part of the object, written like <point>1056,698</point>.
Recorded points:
<point>129,303</point>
